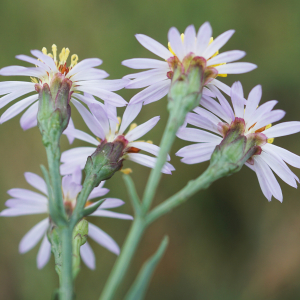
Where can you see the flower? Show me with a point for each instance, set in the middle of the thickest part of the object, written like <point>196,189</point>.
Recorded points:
<point>257,121</point>
<point>26,202</point>
<point>105,125</point>
<point>181,51</point>
<point>84,77</point>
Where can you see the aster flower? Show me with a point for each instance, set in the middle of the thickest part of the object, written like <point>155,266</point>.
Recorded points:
<point>84,77</point>
<point>217,118</point>
<point>182,48</point>
<point>111,130</point>
<point>26,202</point>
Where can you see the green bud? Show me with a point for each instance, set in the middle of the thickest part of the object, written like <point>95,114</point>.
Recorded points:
<point>105,161</point>
<point>235,149</point>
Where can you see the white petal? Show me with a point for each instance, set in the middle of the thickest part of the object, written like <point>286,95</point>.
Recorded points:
<point>85,64</point>
<point>78,134</point>
<point>45,58</point>
<point>32,237</point>
<point>91,74</point>
<point>141,82</point>
<point>152,93</point>
<point>37,182</point>
<point>105,95</point>
<point>203,38</point>
<point>99,111</point>
<point>220,85</point>
<point>22,71</point>
<point>237,100</point>
<point>98,192</point>
<point>88,256</point>
<point>131,112</point>
<point>16,211</point>
<point>176,42</point>
<point>14,95</point>
<point>269,118</point>
<point>33,61</point>
<point>190,39</point>
<point>217,44</point>
<point>111,214</point>
<point>90,120</point>
<point>150,148</point>
<point>153,46</point>
<point>12,86</point>
<point>44,253</point>
<point>17,108</point>
<point>289,157</point>
<point>283,129</point>
<point>29,118</point>
<point>144,63</point>
<point>261,179</point>
<point>236,68</point>
<point>26,195</point>
<point>253,102</point>
<point>199,136</point>
<point>109,85</point>
<point>103,239</point>
<point>142,129</point>
<point>148,161</point>
<point>111,203</point>
<point>196,150</point>
<point>201,122</point>
<point>226,57</point>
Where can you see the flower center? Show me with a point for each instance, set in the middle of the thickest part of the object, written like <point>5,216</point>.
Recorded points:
<point>191,55</point>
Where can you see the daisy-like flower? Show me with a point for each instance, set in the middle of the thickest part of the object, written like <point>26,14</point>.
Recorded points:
<point>26,202</point>
<point>256,121</point>
<point>83,76</point>
<point>182,49</point>
<point>111,130</point>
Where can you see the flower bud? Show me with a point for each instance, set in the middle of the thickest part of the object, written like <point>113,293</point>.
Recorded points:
<point>105,161</point>
<point>236,148</point>
<point>54,110</point>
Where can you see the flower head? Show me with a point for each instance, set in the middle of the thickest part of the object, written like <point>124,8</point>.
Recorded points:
<point>182,50</point>
<point>26,202</point>
<point>49,67</point>
<point>255,123</point>
<point>109,129</point>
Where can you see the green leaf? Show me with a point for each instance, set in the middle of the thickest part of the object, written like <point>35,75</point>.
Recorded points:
<point>136,202</point>
<point>140,285</point>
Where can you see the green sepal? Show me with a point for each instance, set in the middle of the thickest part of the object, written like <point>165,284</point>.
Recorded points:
<point>91,208</point>
<point>141,283</point>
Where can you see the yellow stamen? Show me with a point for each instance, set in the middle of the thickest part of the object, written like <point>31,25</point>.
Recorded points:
<point>74,60</point>
<point>149,142</point>
<point>34,80</point>
<point>54,51</point>
<point>44,50</point>
<point>271,140</point>
<point>126,171</point>
<point>118,125</point>
<point>132,126</point>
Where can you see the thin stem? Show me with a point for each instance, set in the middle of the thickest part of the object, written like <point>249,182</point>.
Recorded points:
<point>122,263</point>
<point>66,284</point>
<point>202,182</point>
<point>53,156</point>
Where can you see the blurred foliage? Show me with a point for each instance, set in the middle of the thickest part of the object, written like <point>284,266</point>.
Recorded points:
<point>227,242</point>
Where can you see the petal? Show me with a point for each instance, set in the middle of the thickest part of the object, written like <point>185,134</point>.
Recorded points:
<point>100,112</point>
<point>153,46</point>
<point>196,135</point>
<point>131,112</point>
<point>196,159</point>
<point>36,181</point>
<point>269,118</point>
<point>150,148</point>
<point>141,81</point>
<point>13,96</point>
<point>44,253</point>
<point>196,150</point>
<point>31,238</point>
<point>282,129</point>
<point>88,256</point>
<point>98,192</point>
<point>109,85</point>
<point>111,203</point>
<point>221,86</point>
<point>91,74</point>
<point>253,102</point>
<point>142,129</point>
<point>27,195</point>
<point>236,68</point>
<point>217,44</point>
<point>85,64</point>
<point>44,58</point>
<point>111,214</point>
<point>237,99</point>
<point>21,211</point>
<point>144,63</point>
<point>29,118</point>
<point>226,57</point>
<point>103,239</point>
<point>78,134</point>
<point>189,39</point>
<point>90,120</point>
<point>203,38</point>
<point>176,42</point>
<point>33,61</point>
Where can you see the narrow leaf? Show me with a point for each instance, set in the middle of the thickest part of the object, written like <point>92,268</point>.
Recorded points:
<point>136,203</point>
<point>140,285</point>
<point>91,208</point>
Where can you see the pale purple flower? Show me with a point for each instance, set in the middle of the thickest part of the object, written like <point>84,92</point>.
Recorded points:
<point>158,78</point>
<point>215,118</point>
<point>26,202</point>
<point>84,75</point>
<point>105,125</point>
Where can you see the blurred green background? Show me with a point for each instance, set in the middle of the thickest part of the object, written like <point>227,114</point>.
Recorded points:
<point>226,242</point>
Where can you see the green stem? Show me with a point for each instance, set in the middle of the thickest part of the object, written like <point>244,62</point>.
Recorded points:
<point>202,182</point>
<point>122,263</point>
<point>66,284</point>
<point>56,204</point>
